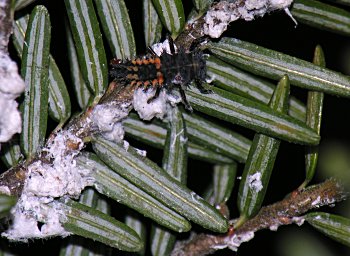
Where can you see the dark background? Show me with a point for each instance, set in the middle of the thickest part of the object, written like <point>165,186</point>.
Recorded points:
<point>275,31</point>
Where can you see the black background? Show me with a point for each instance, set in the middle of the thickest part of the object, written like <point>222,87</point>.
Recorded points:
<point>275,31</point>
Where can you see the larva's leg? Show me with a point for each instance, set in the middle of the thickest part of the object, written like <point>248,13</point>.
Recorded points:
<point>171,45</point>
<point>184,100</point>
<point>201,88</point>
<point>155,96</point>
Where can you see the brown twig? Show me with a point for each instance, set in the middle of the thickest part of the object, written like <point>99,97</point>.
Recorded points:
<point>12,180</point>
<point>284,212</point>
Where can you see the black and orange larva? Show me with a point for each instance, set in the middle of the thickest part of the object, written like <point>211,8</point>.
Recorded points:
<point>164,71</point>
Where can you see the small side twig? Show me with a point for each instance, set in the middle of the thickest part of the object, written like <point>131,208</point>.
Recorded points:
<point>284,212</point>
<point>217,19</point>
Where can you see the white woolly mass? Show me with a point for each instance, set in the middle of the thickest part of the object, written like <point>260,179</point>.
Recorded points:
<point>10,119</point>
<point>254,182</point>
<point>116,134</point>
<point>317,202</point>
<point>108,117</point>
<point>274,227</point>
<point>159,48</point>
<point>216,21</point>
<point>218,18</point>
<point>44,183</point>
<point>126,145</point>
<point>11,84</point>
<point>298,220</point>
<point>141,152</point>
<point>173,99</point>
<point>5,190</point>
<point>279,4</point>
<point>57,148</point>
<point>155,108</point>
<point>11,87</point>
<point>28,212</point>
<point>56,181</point>
<point>233,242</point>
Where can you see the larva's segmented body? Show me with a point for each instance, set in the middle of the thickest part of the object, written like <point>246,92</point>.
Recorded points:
<point>143,71</point>
<point>164,71</point>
